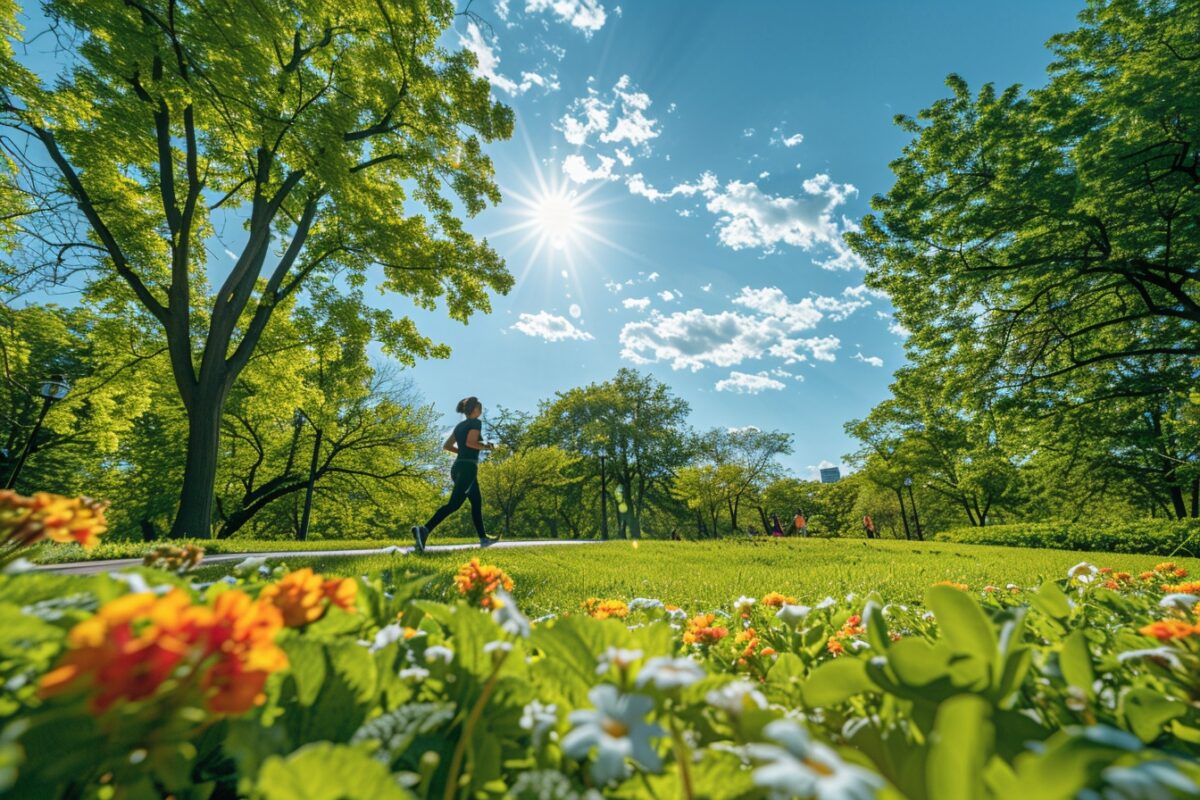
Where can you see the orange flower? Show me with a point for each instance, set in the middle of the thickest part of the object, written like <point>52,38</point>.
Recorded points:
<point>28,520</point>
<point>748,638</point>
<point>767,651</point>
<point>603,609</point>
<point>298,595</point>
<point>1166,566</point>
<point>777,600</point>
<point>478,582</point>
<point>1147,576</point>
<point>962,587</point>
<point>1106,570</point>
<point>1190,587</point>
<point>701,630</point>
<point>1124,577</point>
<point>1168,629</point>
<point>1180,572</point>
<point>135,643</point>
<point>1110,584</point>
<point>835,647</point>
<point>341,592</point>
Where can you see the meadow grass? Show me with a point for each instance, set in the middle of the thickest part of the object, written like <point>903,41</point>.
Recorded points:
<point>51,553</point>
<point>702,575</point>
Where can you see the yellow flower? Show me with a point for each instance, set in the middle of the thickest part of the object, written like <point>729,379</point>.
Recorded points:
<point>27,520</point>
<point>298,595</point>
<point>603,609</point>
<point>479,582</point>
<point>962,587</point>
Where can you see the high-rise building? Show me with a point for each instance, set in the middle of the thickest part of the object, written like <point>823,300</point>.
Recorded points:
<point>830,474</point>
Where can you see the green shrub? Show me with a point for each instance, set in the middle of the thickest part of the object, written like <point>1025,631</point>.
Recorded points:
<point>1149,536</point>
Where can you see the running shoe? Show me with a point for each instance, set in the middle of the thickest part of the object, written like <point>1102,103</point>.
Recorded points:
<point>488,541</point>
<point>419,536</point>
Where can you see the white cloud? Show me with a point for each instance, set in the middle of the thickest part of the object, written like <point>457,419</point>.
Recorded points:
<point>638,303</point>
<point>896,329</point>
<point>232,255</point>
<point>748,132</point>
<point>575,311</point>
<point>684,212</point>
<point>793,140</point>
<point>706,287</point>
<point>764,174</point>
<point>637,185</point>
<point>616,119</point>
<point>666,295</point>
<point>745,383</point>
<point>652,277</point>
<point>488,65</point>
<point>772,302</point>
<point>502,9</point>
<point>821,347</point>
<point>874,361</point>
<point>575,167</point>
<point>550,327</point>
<point>585,15</point>
<point>613,286</point>
<point>691,339</point>
<point>747,217</point>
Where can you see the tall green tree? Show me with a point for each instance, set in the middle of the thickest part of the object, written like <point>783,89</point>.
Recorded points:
<point>637,420</point>
<point>312,123</point>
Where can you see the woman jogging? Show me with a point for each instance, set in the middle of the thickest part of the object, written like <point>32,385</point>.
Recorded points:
<point>801,523</point>
<point>465,443</point>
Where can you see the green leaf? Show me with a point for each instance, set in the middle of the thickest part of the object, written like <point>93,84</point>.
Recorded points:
<point>1050,600</point>
<point>1147,711</point>
<point>306,663</point>
<point>962,622</point>
<point>1075,661</point>
<point>837,681</point>
<point>326,771</point>
<point>962,747</point>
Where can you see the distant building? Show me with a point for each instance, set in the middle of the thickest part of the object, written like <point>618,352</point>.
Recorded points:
<point>830,474</point>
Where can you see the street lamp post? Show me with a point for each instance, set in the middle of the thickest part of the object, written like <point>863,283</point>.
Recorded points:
<point>603,497</point>
<point>912,502</point>
<point>302,534</point>
<point>51,391</point>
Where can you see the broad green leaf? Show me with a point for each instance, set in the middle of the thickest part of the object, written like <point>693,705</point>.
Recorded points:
<point>837,681</point>
<point>961,749</point>
<point>1148,711</point>
<point>1075,660</point>
<point>326,771</point>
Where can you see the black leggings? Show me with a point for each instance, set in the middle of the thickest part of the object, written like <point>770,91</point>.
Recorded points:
<point>465,488</point>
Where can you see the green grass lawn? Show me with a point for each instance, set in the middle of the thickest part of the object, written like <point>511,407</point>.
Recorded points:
<point>701,575</point>
<point>63,553</point>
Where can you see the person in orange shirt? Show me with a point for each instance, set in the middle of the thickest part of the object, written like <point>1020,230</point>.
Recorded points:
<point>801,523</point>
<point>869,525</point>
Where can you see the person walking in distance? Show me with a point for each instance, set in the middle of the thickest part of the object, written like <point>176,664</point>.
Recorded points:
<point>465,443</point>
<point>869,526</point>
<point>776,530</point>
<point>801,523</point>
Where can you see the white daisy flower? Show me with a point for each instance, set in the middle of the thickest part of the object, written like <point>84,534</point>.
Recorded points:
<point>617,729</point>
<point>438,653</point>
<point>792,615</point>
<point>669,673</point>
<point>538,718</point>
<point>737,697</point>
<point>805,768</point>
<point>617,657</point>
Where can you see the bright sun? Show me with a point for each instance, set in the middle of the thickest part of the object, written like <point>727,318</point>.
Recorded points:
<point>558,217</point>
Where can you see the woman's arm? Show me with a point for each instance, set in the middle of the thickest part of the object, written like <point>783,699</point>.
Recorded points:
<point>474,443</point>
<point>451,446</point>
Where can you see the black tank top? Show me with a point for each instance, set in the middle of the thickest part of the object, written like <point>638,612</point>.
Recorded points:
<point>460,437</point>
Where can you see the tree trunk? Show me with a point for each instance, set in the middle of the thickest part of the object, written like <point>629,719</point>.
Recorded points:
<point>1195,497</point>
<point>903,513</point>
<point>762,514</point>
<point>194,518</point>
<point>149,534</point>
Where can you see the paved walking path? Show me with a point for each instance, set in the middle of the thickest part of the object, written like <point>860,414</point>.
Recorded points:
<point>114,564</point>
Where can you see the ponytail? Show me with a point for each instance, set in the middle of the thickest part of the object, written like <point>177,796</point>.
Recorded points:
<point>467,405</point>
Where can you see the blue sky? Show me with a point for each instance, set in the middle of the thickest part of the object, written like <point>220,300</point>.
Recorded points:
<point>676,191</point>
<point>677,187</point>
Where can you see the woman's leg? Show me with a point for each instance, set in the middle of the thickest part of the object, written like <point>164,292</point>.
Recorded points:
<point>476,507</point>
<point>463,480</point>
